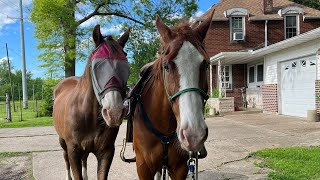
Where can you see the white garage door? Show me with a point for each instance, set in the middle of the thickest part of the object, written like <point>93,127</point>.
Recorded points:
<point>298,86</point>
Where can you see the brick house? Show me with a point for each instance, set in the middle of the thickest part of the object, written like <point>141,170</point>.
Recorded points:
<point>270,47</point>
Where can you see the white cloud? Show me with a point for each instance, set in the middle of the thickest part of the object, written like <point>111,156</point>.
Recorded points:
<point>9,9</point>
<point>199,13</point>
<point>4,59</point>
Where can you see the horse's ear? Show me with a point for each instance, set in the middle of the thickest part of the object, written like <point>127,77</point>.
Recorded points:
<point>124,38</point>
<point>165,32</point>
<point>203,28</point>
<point>97,36</point>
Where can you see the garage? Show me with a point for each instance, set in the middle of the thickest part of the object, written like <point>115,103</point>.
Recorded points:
<point>298,86</point>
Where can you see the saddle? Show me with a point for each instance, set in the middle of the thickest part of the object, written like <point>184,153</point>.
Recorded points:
<point>145,76</point>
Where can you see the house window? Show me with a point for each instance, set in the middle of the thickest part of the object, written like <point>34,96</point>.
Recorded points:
<point>291,26</point>
<point>226,77</point>
<point>251,74</point>
<point>259,72</point>
<point>237,28</point>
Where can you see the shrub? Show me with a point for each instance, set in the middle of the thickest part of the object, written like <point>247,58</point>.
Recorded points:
<point>215,93</point>
<point>47,104</point>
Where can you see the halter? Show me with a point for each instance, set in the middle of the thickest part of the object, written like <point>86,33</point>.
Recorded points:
<point>108,71</point>
<point>203,94</point>
<point>192,164</point>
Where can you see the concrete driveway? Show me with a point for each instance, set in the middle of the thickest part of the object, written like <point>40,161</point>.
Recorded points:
<point>231,139</point>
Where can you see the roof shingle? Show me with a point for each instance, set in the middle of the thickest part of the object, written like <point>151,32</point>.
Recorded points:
<point>255,8</point>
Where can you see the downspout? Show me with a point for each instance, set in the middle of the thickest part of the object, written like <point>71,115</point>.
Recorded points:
<point>266,34</point>
<point>211,84</point>
<point>219,78</point>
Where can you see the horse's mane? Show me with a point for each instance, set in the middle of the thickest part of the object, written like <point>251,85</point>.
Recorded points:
<point>168,51</point>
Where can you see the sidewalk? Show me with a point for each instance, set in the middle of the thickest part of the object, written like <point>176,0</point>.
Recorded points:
<point>231,138</point>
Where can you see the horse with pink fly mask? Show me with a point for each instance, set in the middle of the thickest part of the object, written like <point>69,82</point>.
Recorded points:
<point>88,110</point>
<point>108,71</point>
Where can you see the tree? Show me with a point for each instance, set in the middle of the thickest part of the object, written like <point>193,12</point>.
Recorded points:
<point>16,76</point>
<point>310,3</point>
<point>57,24</point>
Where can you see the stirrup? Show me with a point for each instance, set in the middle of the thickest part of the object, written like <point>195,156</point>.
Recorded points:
<point>126,104</point>
<point>124,159</point>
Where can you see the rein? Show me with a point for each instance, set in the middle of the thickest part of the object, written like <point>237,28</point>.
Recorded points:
<point>203,94</point>
<point>165,140</point>
<point>192,164</point>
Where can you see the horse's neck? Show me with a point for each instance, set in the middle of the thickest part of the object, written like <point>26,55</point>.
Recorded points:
<point>85,90</point>
<point>158,107</point>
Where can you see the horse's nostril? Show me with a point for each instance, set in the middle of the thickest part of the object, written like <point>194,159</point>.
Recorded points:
<point>105,112</point>
<point>206,135</point>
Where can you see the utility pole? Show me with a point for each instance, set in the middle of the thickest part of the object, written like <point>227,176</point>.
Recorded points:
<point>23,61</point>
<point>9,68</point>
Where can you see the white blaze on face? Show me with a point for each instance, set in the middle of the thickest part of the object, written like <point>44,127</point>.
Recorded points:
<point>188,62</point>
<point>112,108</point>
<point>112,100</point>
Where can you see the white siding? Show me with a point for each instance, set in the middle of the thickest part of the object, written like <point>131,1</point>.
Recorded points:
<point>271,60</point>
<point>318,64</point>
<point>297,86</point>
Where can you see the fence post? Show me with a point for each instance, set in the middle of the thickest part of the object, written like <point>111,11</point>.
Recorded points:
<point>8,108</point>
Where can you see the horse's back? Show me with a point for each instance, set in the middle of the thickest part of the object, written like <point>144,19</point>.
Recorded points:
<point>61,94</point>
<point>65,85</point>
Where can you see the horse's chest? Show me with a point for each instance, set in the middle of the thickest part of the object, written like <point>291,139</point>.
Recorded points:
<point>99,140</point>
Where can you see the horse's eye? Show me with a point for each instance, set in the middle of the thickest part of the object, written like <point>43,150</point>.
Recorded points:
<point>166,67</point>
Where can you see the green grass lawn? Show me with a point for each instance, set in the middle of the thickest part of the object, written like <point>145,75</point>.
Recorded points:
<point>296,163</point>
<point>29,117</point>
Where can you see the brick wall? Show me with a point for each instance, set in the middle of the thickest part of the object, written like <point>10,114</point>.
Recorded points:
<point>218,37</point>
<point>214,77</point>
<point>239,78</point>
<point>308,24</point>
<point>275,31</point>
<point>317,93</point>
<point>270,98</point>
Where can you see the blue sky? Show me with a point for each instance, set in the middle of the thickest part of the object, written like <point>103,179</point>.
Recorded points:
<point>10,33</point>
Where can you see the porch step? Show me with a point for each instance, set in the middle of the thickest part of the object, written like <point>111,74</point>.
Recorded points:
<point>242,111</point>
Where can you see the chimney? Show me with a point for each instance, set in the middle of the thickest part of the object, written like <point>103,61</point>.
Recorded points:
<point>267,6</point>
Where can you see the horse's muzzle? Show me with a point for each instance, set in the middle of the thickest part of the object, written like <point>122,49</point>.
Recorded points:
<point>113,110</point>
<point>193,140</point>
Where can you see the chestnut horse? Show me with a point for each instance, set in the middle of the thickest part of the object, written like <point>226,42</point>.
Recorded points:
<point>169,121</point>
<point>88,110</point>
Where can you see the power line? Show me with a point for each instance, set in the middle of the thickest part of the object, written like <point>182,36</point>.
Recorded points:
<point>9,4</point>
<point>4,14</point>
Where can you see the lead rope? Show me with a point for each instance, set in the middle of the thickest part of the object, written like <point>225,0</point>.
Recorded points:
<point>193,166</point>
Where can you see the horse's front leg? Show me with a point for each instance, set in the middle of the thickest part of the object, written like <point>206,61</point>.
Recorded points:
<point>75,155</point>
<point>144,172</point>
<point>84,166</point>
<point>180,173</point>
<point>66,159</point>
<point>104,162</point>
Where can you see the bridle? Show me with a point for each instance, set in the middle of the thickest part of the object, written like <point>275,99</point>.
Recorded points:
<point>171,99</point>
<point>192,164</point>
<point>105,74</point>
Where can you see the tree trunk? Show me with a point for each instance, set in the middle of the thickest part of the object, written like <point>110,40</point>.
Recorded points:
<point>69,38</point>
<point>70,63</point>
<point>70,53</point>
